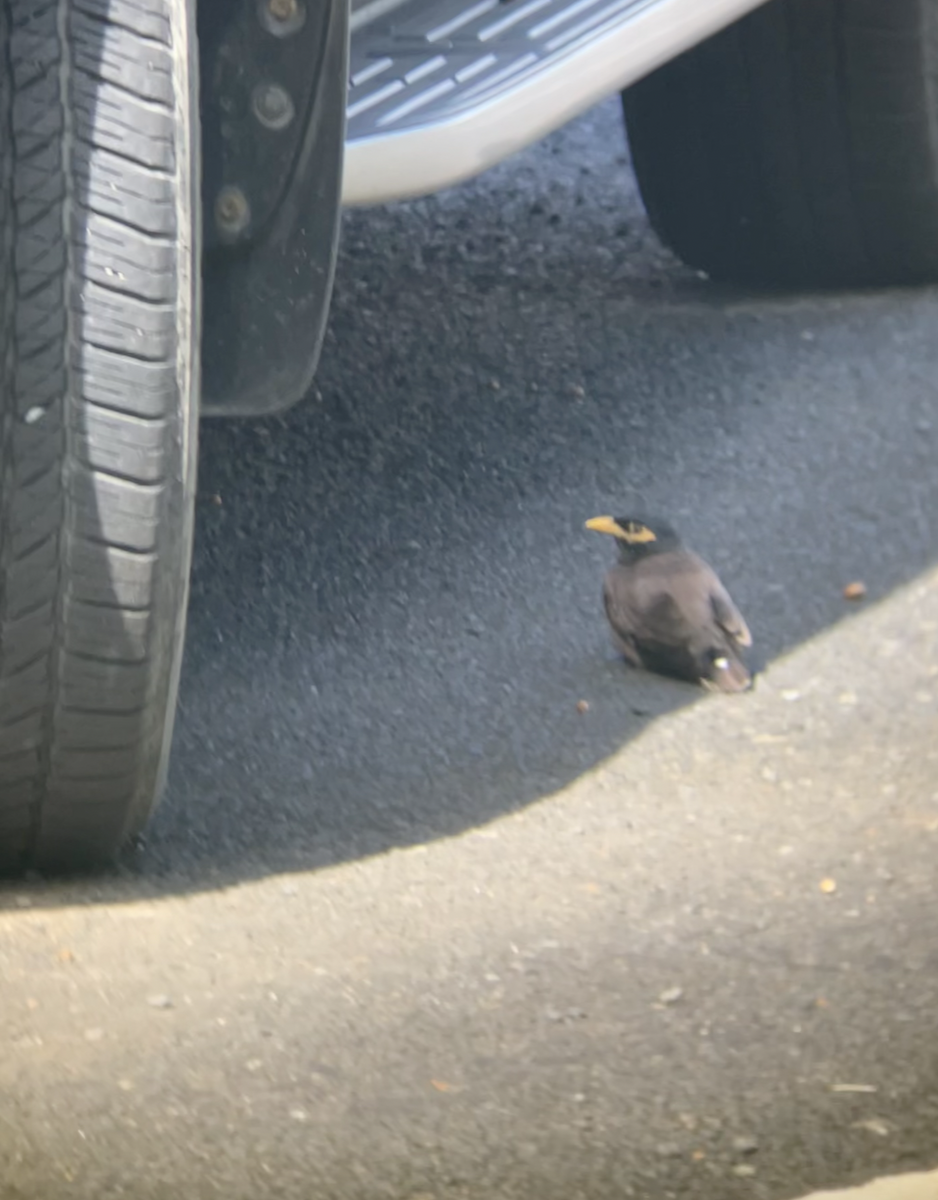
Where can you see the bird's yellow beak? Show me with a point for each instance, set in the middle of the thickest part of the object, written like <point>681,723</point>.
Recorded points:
<point>636,534</point>
<point>605,525</point>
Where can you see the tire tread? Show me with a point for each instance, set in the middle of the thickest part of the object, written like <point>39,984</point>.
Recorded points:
<point>798,146</point>
<point>97,347</point>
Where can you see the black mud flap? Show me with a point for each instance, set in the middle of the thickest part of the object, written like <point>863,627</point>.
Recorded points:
<point>274,82</point>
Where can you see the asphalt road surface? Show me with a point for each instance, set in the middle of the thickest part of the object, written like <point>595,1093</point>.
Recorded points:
<point>410,924</point>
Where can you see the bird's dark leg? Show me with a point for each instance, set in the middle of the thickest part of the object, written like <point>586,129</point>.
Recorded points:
<point>626,648</point>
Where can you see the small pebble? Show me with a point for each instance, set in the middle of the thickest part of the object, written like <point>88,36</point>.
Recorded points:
<point>160,1000</point>
<point>671,995</point>
<point>582,706</point>
<point>855,590</point>
<point>873,1125</point>
<point>828,886</point>
<point>745,1145</point>
<point>668,1150</point>
<point>744,1170</point>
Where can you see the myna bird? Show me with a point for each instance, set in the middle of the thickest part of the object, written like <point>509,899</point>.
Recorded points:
<point>668,610</point>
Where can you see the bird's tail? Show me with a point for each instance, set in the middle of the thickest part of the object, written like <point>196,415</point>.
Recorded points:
<point>727,673</point>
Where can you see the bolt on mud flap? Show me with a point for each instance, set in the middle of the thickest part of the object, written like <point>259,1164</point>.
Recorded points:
<point>274,79</point>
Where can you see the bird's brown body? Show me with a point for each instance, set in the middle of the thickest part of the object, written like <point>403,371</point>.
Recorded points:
<point>669,611</point>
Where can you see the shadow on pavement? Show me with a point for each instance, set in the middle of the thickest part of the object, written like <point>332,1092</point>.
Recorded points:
<point>395,607</point>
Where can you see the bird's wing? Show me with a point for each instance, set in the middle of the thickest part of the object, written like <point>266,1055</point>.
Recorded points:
<point>727,615</point>
<point>643,608</point>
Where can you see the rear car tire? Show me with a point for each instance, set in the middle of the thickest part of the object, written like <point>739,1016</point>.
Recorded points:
<point>99,337</point>
<point>798,146</point>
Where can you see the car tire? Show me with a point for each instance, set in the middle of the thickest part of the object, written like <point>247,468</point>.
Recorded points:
<point>799,146</point>
<point>99,339</point>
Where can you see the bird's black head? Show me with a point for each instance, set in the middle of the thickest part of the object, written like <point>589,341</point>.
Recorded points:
<point>637,536</point>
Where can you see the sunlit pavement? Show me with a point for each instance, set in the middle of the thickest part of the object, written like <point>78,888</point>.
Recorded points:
<point>918,1185</point>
